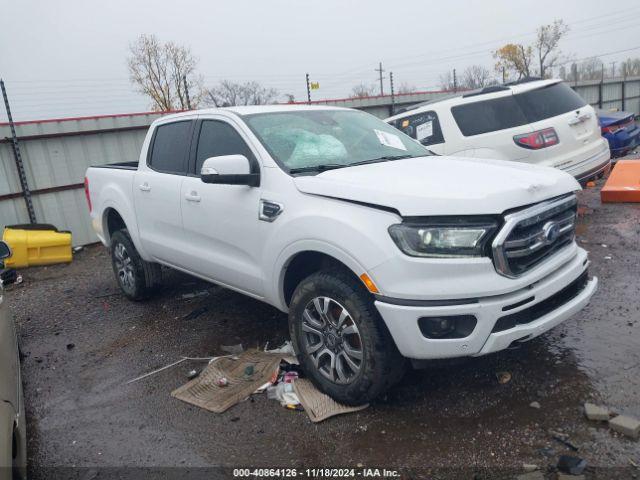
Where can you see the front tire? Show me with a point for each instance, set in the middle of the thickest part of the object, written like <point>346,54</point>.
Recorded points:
<point>137,278</point>
<point>341,341</point>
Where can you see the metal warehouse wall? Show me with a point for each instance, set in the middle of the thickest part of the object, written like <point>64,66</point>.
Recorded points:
<point>56,153</point>
<point>618,94</point>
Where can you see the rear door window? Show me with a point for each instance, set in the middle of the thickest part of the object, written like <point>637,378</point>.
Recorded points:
<point>424,127</point>
<point>219,138</point>
<point>488,116</point>
<point>548,102</point>
<point>170,147</point>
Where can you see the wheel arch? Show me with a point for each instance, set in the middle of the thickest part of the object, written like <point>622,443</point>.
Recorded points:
<point>295,264</point>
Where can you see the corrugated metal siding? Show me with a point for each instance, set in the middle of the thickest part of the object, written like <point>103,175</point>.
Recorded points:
<point>57,154</point>
<point>612,98</point>
<point>590,93</point>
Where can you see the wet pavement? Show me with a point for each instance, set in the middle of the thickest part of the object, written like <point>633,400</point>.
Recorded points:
<point>84,341</point>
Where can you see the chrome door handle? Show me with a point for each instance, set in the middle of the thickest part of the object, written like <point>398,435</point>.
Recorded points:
<point>192,197</point>
<point>145,187</point>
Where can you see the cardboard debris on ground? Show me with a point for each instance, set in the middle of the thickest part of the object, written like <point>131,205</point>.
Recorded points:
<point>287,352</point>
<point>318,405</point>
<point>244,374</point>
<point>252,372</point>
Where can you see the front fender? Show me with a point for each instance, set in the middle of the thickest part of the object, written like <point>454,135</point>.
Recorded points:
<point>354,235</point>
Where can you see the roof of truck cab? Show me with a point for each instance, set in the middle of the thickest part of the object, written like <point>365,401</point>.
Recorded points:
<point>247,110</point>
<point>474,96</point>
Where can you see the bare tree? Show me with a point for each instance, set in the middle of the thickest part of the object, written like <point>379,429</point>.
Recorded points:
<point>476,76</point>
<point>547,45</point>
<point>158,70</point>
<point>362,90</point>
<point>446,81</point>
<point>405,88</point>
<point>630,67</point>
<point>518,59</point>
<point>514,59</point>
<point>228,93</point>
<point>591,69</point>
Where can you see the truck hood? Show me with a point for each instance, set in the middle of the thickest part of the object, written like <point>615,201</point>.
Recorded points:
<point>438,185</point>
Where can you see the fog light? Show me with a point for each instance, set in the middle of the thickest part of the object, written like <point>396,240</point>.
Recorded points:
<point>455,326</point>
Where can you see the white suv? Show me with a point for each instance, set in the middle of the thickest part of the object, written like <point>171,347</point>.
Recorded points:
<point>542,122</point>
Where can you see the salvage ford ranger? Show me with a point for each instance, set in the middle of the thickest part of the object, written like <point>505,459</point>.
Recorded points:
<point>378,250</point>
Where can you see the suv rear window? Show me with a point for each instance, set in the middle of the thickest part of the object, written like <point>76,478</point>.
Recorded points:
<point>549,102</point>
<point>515,110</point>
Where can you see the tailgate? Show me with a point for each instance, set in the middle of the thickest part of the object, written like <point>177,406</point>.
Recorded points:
<point>579,135</point>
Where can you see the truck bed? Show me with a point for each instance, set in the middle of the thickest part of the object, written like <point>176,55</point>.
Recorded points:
<point>119,166</point>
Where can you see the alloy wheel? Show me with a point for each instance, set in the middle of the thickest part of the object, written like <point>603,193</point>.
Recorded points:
<point>331,338</point>
<point>124,267</point>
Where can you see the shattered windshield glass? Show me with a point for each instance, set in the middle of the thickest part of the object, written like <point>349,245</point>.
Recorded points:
<point>309,139</point>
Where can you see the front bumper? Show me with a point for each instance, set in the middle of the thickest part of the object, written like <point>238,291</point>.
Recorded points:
<point>402,320</point>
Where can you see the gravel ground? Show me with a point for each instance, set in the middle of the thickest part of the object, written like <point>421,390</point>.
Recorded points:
<point>83,341</point>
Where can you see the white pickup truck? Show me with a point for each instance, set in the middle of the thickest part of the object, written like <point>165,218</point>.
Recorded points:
<point>378,250</point>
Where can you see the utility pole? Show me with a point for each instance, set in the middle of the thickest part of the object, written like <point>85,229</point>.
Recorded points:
<point>613,69</point>
<point>186,91</point>
<point>504,75</point>
<point>308,91</point>
<point>455,81</point>
<point>393,99</point>
<point>26,193</point>
<point>380,70</point>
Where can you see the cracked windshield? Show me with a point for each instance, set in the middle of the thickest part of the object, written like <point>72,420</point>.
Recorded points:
<point>310,140</point>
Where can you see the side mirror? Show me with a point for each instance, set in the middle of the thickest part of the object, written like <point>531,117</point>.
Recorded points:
<point>5,250</point>
<point>229,170</point>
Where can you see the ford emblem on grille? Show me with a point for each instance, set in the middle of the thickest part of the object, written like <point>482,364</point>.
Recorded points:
<point>532,234</point>
<point>551,232</point>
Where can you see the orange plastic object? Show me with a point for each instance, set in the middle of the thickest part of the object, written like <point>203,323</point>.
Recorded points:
<point>623,185</point>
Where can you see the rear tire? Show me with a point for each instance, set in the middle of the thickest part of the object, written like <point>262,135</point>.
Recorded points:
<point>137,278</point>
<point>340,339</point>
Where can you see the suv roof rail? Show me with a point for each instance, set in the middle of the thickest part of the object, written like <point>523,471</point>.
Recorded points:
<point>491,89</point>
<point>524,80</point>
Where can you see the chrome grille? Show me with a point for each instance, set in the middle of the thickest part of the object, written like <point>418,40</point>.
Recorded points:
<point>533,234</point>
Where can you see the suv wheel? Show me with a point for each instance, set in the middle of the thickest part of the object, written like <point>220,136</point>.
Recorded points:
<point>137,278</point>
<point>340,339</point>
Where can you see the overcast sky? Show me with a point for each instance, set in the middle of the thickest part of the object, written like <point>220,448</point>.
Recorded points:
<point>67,58</point>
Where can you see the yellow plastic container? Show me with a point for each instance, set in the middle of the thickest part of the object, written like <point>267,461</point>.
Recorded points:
<point>33,245</point>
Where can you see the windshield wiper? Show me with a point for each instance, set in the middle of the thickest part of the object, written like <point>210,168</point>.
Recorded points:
<point>318,168</point>
<point>386,158</point>
<point>332,166</point>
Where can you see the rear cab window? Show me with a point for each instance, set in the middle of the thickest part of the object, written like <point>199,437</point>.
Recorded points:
<point>515,110</point>
<point>424,127</point>
<point>170,147</point>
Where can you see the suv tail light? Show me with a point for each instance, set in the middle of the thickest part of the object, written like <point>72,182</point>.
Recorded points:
<point>538,139</point>
<point>86,192</point>
<point>615,128</point>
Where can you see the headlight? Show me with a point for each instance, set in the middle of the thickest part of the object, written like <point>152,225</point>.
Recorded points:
<point>443,238</point>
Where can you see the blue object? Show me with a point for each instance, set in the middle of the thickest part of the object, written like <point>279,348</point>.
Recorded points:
<point>620,130</point>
